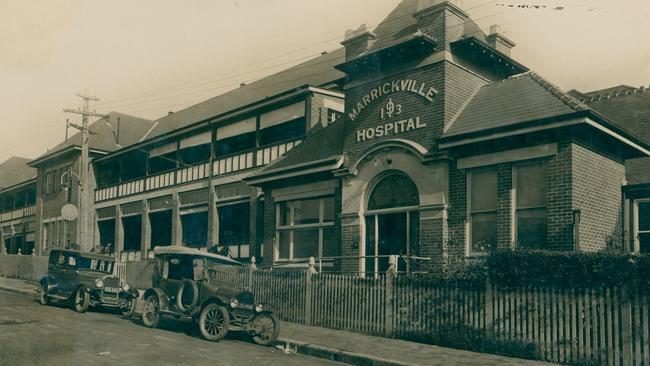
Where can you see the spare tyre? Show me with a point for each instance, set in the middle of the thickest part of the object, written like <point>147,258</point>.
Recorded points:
<point>182,296</point>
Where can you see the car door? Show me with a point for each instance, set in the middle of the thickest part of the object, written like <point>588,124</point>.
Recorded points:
<point>54,268</point>
<point>67,279</point>
<point>172,275</point>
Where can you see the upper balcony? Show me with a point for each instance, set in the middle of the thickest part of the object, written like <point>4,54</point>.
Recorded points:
<point>250,159</point>
<point>18,213</point>
<point>18,201</point>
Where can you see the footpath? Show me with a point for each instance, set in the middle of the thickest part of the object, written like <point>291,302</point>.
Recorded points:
<point>352,348</point>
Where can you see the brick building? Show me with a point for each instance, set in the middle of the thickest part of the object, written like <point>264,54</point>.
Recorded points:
<point>57,180</point>
<point>17,206</point>
<point>423,138</point>
<point>448,147</point>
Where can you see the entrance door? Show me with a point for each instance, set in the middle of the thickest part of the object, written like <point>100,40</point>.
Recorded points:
<point>392,223</point>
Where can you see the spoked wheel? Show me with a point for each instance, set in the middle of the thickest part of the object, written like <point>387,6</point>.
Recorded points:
<point>151,312</point>
<point>214,322</point>
<point>129,308</point>
<point>81,301</point>
<point>42,295</point>
<point>265,329</point>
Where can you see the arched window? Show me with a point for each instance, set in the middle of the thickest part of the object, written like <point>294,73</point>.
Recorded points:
<point>395,190</point>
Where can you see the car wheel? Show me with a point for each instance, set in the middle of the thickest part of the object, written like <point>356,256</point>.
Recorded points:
<point>81,301</point>
<point>129,308</point>
<point>214,322</point>
<point>151,312</point>
<point>42,295</point>
<point>265,328</point>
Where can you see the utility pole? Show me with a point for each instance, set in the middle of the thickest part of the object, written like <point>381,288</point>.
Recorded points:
<point>84,194</point>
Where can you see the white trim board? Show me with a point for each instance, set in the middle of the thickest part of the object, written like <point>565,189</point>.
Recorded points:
<point>524,153</point>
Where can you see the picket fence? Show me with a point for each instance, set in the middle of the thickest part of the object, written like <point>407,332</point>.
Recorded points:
<point>608,326</point>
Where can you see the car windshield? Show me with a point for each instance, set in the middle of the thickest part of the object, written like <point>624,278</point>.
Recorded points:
<point>95,264</point>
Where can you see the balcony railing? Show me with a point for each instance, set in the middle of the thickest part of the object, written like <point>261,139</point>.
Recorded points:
<point>221,166</point>
<point>18,213</point>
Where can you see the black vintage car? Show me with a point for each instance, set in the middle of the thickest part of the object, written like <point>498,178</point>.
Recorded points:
<point>85,279</point>
<point>185,286</point>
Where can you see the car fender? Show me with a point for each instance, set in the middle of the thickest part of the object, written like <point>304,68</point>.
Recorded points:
<point>214,299</point>
<point>162,297</point>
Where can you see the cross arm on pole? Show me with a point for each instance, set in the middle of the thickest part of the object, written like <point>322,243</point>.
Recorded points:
<point>92,114</point>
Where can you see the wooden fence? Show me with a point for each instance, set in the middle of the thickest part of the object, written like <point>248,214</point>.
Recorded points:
<point>609,326</point>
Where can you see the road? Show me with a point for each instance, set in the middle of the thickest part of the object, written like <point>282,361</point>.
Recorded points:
<point>32,334</point>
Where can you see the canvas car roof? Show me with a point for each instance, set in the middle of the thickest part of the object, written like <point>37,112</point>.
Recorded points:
<point>194,252</point>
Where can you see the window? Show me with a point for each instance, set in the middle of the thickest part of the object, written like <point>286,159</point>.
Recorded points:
<point>163,157</point>
<point>643,227</point>
<point>482,210</point>
<point>49,183</point>
<point>106,232</point>
<point>30,196</point>
<point>234,228</point>
<point>306,228</point>
<point>20,199</point>
<point>196,148</point>
<point>132,232</point>
<point>161,228</point>
<point>282,124</point>
<point>530,183</point>
<point>333,116</point>
<point>133,165</point>
<point>195,229</point>
<point>236,137</point>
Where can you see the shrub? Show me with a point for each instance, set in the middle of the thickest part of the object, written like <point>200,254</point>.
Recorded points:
<point>566,269</point>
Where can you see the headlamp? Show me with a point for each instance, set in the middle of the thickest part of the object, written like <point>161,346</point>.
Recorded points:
<point>99,283</point>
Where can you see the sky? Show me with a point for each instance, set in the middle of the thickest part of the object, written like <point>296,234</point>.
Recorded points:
<point>149,57</point>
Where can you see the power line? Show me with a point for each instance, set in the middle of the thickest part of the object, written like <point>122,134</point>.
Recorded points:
<point>295,68</point>
<point>203,80</point>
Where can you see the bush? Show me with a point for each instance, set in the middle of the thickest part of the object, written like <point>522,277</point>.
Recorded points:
<point>567,269</point>
<point>461,336</point>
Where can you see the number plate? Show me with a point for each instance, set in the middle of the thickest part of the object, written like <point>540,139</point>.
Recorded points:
<point>112,290</point>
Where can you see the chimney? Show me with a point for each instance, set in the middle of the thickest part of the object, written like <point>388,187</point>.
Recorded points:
<point>357,41</point>
<point>443,21</point>
<point>498,41</point>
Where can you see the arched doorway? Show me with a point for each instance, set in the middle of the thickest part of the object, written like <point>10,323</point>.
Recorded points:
<point>392,222</point>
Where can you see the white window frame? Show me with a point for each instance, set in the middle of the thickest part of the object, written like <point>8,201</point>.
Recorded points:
<point>468,230</point>
<point>291,227</point>
<point>637,243</point>
<point>514,207</point>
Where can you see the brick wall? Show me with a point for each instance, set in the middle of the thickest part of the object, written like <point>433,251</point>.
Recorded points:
<point>433,236</point>
<point>269,229</point>
<point>558,199</point>
<point>350,247</point>
<point>505,238</point>
<point>597,182</point>
<point>413,105</point>
<point>457,213</point>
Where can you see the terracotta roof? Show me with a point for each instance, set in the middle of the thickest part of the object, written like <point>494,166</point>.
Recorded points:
<point>518,99</point>
<point>15,170</point>
<point>318,71</point>
<point>132,129</point>
<point>629,108</point>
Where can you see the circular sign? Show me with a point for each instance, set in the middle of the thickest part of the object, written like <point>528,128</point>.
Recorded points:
<point>69,212</point>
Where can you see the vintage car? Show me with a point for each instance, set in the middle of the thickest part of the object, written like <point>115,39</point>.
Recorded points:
<point>85,279</point>
<point>186,285</point>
